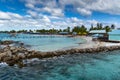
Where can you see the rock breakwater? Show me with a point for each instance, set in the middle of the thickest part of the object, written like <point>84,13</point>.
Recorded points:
<point>15,55</point>
<point>6,42</point>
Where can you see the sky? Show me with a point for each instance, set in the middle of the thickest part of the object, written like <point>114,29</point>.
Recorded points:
<point>58,14</point>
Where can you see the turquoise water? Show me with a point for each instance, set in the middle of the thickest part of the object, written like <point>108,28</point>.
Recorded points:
<point>102,66</point>
<point>45,42</point>
<point>114,37</point>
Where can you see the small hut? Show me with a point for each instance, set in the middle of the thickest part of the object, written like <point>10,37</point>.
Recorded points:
<point>99,34</point>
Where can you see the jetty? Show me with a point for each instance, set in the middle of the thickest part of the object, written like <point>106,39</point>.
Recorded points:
<point>16,55</point>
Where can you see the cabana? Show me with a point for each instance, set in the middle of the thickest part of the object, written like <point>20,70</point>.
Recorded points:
<point>99,35</point>
<point>97,32</point>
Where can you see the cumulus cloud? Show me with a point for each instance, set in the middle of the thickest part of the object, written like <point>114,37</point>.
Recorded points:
<point>4,15</point>
<point>84,11</point>
<point>53,11</point>
<point>46,19</point>
<point>14,15</point>
<point>106,6</point>
<point>31,6</point>
<point>92,21</point>
<point>84,7</point>
<point>49,6</point>
<point>37,19</point>
<point>18,22</point>
<point>33,13</point>
<point>9,15</point>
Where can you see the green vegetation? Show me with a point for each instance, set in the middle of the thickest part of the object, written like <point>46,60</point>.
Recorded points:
<point>101,27</point>
<point>50,31</point>
<point>80,30</point>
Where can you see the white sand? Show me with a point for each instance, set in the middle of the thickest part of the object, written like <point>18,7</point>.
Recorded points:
<point>112,44</point>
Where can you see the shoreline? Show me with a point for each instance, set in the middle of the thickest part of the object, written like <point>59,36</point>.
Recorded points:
<point>16,55</point>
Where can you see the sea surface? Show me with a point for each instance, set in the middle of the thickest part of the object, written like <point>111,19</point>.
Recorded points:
<point>98,66</point>
<point>44,42</point>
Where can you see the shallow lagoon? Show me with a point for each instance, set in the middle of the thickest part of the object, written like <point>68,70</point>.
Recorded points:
<point>46,42</point>
<point>102,66</point>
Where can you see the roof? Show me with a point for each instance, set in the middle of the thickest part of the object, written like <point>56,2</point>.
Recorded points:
<point>97,31</point>
<point>63,32</point>
<point>97,35</point>
<point>114,32</point>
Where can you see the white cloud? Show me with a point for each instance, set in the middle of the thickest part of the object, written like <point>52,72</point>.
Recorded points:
<point>92,22</point>
<point>4,15</point>
<point>18,22</point>
<point>106,6</point>
<point>36,20</point>
<point>84,11</point>
<point>49,6</point>
<point>9,15</point>
<point>33,13</point>
<point>46,19</point>
<point>74,19</point>
<point>53,11</point>
<point>86,7</point>
<point>14,15</point>
<point>31,6</point>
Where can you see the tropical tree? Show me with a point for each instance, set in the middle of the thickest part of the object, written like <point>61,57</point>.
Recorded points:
<point>30,31</point>
<point>91,28</point>
<point>12,31</point>
<point>76,29</point>
<point>112,26</point>
<point>83,30</point>
<point>80,30</point>
<point>99,26</point>
<point>107,28</point>
<point>68,29</point>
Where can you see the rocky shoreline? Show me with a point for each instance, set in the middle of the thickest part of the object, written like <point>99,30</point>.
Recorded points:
<point>16,55</point>
<point>7,42</point>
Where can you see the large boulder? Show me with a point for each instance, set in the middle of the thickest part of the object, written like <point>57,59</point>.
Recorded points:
<point>6,42</point>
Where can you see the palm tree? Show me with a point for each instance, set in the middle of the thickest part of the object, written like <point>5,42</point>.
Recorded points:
<point>107,28</point>
<point>112,26</point>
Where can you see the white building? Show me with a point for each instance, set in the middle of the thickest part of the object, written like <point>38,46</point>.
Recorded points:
<point>114,35</point>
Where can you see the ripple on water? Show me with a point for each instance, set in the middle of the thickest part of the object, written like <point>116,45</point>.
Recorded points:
<point>102,66</point>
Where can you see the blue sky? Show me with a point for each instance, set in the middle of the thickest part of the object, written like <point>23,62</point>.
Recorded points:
<point>39,14</point>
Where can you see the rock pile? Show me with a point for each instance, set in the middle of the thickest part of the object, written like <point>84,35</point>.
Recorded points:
<point>15,55</point>
<point>6,42</point>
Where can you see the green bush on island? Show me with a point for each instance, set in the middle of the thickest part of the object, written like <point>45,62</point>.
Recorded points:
<point>79,30</point>
<point>101,27</point>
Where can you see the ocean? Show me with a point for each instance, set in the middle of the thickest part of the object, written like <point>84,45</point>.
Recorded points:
<point>97,66</point>
<point>77,66</point>
<point>45,42</point>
